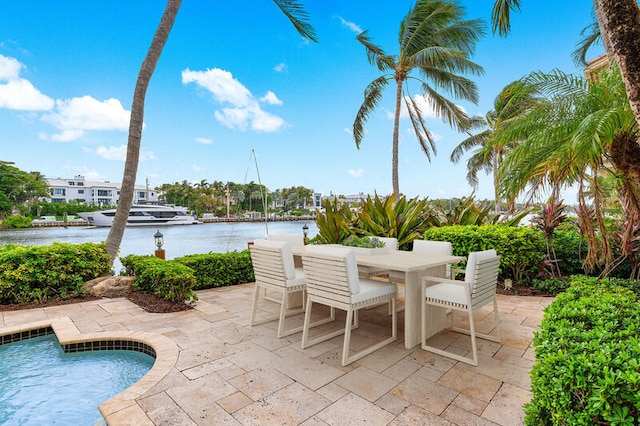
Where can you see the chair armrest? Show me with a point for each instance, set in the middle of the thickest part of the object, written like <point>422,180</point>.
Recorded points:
<point>456,271</point>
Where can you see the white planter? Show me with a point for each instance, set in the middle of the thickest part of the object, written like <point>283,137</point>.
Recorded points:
<point>368,251</point>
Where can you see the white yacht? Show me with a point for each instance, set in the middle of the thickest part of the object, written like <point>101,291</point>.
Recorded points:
<point>143,215</point>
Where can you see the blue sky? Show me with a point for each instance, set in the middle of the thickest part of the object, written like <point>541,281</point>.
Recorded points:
<point>233,79</point>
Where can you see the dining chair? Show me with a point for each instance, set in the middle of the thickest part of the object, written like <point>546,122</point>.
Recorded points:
<point>274,270</point>
<point>477,290</point>
<point>428,248</point>
<point>332,280</point>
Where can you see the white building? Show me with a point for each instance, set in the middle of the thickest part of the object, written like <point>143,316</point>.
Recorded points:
<point>98,193</point>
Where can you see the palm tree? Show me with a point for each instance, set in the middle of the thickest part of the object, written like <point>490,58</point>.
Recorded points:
<point>489,150</point>
<point>580,131</point>
<point>437,43</point>
<point>291,8</point>
<point>618,21</point>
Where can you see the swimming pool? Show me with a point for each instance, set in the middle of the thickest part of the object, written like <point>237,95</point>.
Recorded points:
<point>40,384</point>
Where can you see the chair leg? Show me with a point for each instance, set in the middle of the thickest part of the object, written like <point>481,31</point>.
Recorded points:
<point>497,319</point>
<point>472,332</point>
<point>254,307</point>
<point>307,325</point>
<point>346,359</point>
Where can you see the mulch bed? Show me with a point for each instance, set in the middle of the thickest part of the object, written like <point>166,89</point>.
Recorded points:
<point>148,302</point>
<point>519,290</point>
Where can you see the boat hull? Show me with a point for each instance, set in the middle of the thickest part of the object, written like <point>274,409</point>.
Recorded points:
<point>143,216</point>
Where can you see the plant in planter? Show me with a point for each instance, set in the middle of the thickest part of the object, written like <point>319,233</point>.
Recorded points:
<point>363,242</point>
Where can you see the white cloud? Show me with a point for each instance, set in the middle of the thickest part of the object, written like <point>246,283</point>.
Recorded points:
<point>17,93</point>
<point>119,153</point>
<point>271,99</point>
<point>352,26</point>
<point>221,84</point>
<point>9,68</point>
<point>348,130</point>
<point>357,173</point>
<point>244,111</point>
<point>281,67</point>
<point>73,117</point>
<point>203,140</point>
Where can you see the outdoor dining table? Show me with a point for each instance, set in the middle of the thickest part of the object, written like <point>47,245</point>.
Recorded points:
<point>414,266</point>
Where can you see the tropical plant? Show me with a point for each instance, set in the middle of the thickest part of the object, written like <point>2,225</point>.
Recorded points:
<point>400,218</point>
<point>335,224</point>
<point>552,214</point>
<point>436,42</point>
<point>291,8</point>
<point>578,132</point>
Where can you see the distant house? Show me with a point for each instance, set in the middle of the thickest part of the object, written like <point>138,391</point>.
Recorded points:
<point>96,193</point>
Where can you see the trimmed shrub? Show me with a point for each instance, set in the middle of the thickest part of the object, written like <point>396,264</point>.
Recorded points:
<point>587,367</point>
<point>219,269</point>
<point>521,249</point>
<point>168,279</point>
<point>37,273</point>
<point>570,250</point>
<point>16,221</point>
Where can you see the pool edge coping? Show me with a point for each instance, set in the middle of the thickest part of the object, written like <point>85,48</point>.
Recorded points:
<point>121,409</point>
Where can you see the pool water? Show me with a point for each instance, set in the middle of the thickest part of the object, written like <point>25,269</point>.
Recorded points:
<point>40,384</point>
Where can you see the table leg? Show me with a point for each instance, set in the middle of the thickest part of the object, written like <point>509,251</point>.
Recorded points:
<point>436,319</point>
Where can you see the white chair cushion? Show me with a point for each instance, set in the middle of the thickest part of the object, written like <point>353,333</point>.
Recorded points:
<point>447,292</point>
<point>473,258</point>
<point>287,255</point>
<point>341,252</point>
<point>433,247</point>
<point>300,278</point>
<point>370,289</point>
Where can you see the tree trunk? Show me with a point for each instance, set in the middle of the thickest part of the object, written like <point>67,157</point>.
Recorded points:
<point>396,126</point>
<point>135,127</point>
<point>620,22</point>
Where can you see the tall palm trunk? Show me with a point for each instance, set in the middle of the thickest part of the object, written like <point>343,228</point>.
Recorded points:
<point>396,126</point>
<point>496,192</point>
<point>620,21</point>
<point>135,127</point>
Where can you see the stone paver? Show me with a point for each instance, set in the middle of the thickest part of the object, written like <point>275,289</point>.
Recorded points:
<point>225,372</point>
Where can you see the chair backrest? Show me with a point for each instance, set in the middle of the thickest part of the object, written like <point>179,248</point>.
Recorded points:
<point>295,240</point>
<point>433,247</point>
<point>272,261</point>
<point>390,244</point>
<point>331,272</point>
<point>484,267</point>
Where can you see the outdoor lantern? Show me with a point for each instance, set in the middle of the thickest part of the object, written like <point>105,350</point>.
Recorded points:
<point>305,230</point>
<point>159,240</point>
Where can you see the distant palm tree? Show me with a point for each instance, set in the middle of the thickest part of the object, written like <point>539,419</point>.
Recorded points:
<point>489,150</point>
<point>435,42</point>
<point>291,8</point>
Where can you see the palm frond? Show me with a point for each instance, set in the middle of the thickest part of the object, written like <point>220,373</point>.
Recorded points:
<point>372,97</point>
<point>298,17</point>
<point>501,16</point>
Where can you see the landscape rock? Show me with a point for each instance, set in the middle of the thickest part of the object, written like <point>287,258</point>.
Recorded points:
<point>115,286</point>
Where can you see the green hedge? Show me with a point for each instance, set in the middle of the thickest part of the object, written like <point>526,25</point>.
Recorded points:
<point>168,279</point>
<point>587,367</point>
<point>16,221</point>
<point>37,273</point>
<point>220,269</point>
<point>521,249</point>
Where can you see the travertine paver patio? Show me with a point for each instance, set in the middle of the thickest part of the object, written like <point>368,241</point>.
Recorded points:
<point>225,372</point>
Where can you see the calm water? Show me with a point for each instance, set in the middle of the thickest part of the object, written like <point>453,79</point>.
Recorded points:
<point>178,240</point>
<point>41,385</point>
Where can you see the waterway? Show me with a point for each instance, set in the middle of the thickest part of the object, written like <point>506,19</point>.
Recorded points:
<point>179,240</point>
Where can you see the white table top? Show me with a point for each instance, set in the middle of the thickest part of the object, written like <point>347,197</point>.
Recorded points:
<point>405,261</point>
